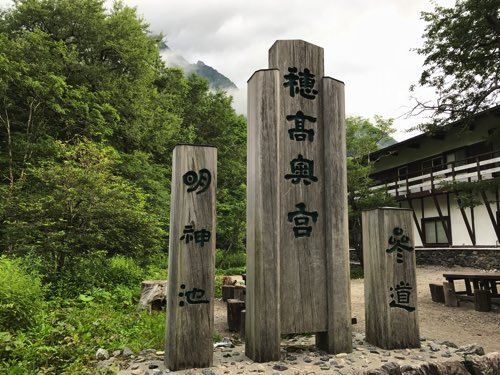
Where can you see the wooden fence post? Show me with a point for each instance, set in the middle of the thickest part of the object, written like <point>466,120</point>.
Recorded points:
<point>191,266</point>
<point>390,279</point>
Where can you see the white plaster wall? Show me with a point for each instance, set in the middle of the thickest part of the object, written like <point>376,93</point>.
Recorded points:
<point>417,240</point>
<point>485,234</point>
<point>459,234</point>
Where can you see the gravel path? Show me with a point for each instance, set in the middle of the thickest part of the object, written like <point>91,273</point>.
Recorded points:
<point>446,333</point>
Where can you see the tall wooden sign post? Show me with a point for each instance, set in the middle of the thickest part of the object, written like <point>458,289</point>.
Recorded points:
<point>191,263</point>
<point>297,230</point>
<point>390,279</point>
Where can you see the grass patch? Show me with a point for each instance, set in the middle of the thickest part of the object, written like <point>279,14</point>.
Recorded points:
<point>231,271</point>
<point>70,332</point>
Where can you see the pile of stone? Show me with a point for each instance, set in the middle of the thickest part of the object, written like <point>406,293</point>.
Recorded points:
<point>299,356</point>
<point>126,362</point>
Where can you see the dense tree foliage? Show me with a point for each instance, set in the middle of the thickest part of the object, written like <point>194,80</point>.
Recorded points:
<point>89,116</point>
<point>363,137</point>
<point>462,59</point>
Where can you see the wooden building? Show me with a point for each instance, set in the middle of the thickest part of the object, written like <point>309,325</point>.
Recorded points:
<point>454,223</point>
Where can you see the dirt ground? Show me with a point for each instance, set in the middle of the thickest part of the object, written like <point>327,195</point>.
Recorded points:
<point>459,325</point>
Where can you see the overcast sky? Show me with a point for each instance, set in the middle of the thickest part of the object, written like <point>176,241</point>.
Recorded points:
<point>368,44</point>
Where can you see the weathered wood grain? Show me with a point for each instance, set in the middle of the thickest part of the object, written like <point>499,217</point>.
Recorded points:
<point>153,294</point>
<point>297,204</point>
<point>262,331</point>
<point>391,313</point>
<point>190,297</point>
<point>338,336</point>
<point>303,263</point>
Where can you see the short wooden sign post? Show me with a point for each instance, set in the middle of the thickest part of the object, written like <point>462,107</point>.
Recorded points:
<point>482,300</point>
<point>390,279</point>
<point>450,297</point>
<point>234,309</point>
<point>191,266</point>
<point>437,293</point>
<point>297,233</point>
<point>227,292</point>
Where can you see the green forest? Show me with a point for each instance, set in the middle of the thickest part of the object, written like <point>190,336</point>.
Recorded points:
<point>89,116</point>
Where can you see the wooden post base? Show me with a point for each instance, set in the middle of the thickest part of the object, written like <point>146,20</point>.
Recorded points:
<point>437,293</point>
<point>234,308</point>
<point>450,298</point>
<point>242,323</point>
<point>239,292</point>
<point>227,292</point>
<point>482,300</point>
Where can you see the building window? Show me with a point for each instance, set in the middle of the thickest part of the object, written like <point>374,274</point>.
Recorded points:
<point>434,233</point>
<point>434,164</point>
<point>456,158</point>
<point>403,173</point>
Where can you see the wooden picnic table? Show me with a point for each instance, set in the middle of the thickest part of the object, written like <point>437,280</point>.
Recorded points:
<point>487,281</point>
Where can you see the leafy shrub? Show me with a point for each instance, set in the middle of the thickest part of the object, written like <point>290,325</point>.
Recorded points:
<point>21,296</point>
<point>225,259</point>
<point>124,271</point>
<point>231,271</point>
<point>357,271</point>
<point>96,271</point>
<point>84,273</point>
<point>157,267</point>
<point>218,286</point>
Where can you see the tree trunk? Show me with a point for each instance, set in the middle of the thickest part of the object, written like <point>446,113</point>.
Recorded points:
<point>6,121</point>
<point>61,258</point>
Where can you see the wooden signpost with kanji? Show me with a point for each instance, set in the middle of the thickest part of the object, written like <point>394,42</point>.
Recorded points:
<point>297,231</point>
<point>390,279</point>
<point>191,262</point>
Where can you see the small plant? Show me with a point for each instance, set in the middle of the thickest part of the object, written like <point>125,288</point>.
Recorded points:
<point>217,336</point>
<point>357,271</point>
<point>218,286</point>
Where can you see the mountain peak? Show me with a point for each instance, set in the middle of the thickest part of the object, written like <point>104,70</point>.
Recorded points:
<point>216,80</point>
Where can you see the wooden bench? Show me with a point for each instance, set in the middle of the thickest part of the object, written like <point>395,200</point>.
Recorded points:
<point>480,288</point>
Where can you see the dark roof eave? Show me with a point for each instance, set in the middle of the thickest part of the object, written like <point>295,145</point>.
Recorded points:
<point>395,147</point>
